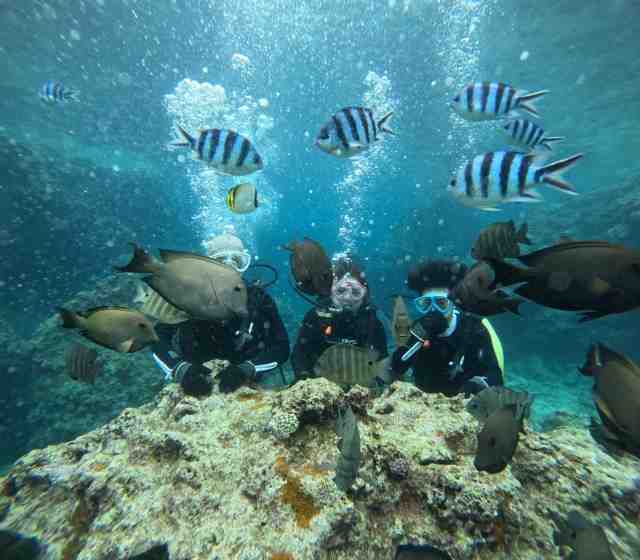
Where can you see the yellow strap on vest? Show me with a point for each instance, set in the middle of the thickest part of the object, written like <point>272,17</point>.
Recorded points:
<point>495,343</point>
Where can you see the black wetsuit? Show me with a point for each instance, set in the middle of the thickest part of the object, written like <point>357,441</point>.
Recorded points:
<point>325,325</point>
<point>449,363</point>
<point>261,338</point>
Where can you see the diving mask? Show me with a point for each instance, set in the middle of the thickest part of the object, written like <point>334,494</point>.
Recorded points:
<point>239,260</point>
<point>434,299</point>
<point>347,292</point>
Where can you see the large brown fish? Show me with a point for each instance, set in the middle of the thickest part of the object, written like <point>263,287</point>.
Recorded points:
<point>121,329</point>
<point>475,295</point>
<point>401,322</point>
<point>82,363</point>
<point>498,439</point>
<point>346,364</point>
<point>487,401</point>
<point>500,241</point>
<point>155,306</point>
<point>588,541</point>
<point>616,393</point>
<point>202,287</point>
<point>596,278</point>
<point>311,267</point>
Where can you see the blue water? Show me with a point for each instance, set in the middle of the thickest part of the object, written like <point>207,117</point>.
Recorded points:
<point>79,181</point>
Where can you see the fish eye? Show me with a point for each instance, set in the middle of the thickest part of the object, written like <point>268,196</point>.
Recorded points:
<point>324,134</point>
<point>492,441</point>
<point>237,289</point>
<point>142,325</point>
<point>453,182</point>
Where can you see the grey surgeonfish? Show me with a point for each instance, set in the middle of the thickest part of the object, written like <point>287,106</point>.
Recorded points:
<point>351,131</point>
<point>616,393</point>
<point>224,150</point>
<point>15,546</point>
<point>82,364</point>
<point>495,178</point>
<point>420,552</point>
<point>588,541</point>
<point>401,322</point>
<point>487,401</point>
<point>349,447</point>
<point>346,364</point>
<point>500,241</point>
<point>201,287</point>
<point>498,439</point>
<point>484,101</point>
<point>243,198</point>
<point>530,135</point>
<point>154,305</point>
<point>119,328</point>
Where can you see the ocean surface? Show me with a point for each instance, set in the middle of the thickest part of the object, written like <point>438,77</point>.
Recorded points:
<point>80,180</point>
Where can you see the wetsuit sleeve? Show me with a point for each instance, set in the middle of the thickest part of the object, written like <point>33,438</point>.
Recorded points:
<point>379,339</point>
<point>277,339</point>
<point>481,362</point>
<point>305,351</point>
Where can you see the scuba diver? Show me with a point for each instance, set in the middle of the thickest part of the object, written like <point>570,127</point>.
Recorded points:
<point>450,351</point>
<point>345,316</point>
<point>254,345</point>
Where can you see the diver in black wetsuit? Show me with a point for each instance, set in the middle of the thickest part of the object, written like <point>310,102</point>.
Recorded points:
<point>346,317</point>
<point>254,345</point>
<point>450,351</point>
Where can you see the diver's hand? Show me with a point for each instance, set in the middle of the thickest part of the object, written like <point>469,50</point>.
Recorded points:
<point>195,379</point>
<point>235,375</point>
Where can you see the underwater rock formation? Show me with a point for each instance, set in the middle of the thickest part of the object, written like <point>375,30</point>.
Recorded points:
<point>210,479</point>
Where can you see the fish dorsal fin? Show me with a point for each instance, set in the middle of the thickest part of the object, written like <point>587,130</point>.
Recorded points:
<point>562,246</point>
<point>93,310</point>
<point>607,354</point>
<point>168,256</point>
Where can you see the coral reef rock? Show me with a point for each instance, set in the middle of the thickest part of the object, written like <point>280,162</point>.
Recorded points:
<point>247,476</point>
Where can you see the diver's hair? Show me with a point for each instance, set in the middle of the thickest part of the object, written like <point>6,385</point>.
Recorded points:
<point>348,263</point>
<point>435,274</point>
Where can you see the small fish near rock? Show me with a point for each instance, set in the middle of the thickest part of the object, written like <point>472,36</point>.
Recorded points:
<point>81,363</point>
<point>498,439</point>
<point>349,447</point>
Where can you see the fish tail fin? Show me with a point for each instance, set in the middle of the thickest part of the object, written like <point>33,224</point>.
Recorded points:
<point>72,95</point>
<point>522,234</point>
<point>551,174</point>
<point>70,320</point>
<point>140,262</point>
<point>548,140</point>
<point>188,140</point>
<point>382,123</point>
<point>506,274</point>
<point>526,101</point>
<point>593,361</point>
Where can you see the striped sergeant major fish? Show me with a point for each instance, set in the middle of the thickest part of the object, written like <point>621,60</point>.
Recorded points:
<point>530,135</point>
<point>497,177</point>
<point>485,101</point>
<point>351,131</point>
<point>226,151</point>
<point>56,92</point>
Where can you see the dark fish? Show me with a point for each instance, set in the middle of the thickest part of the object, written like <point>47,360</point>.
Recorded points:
<point>349,447</point>
<point>118,328</point>
<point>155,306</point>
<point>616,393</point>
<point>420,552</point>
<point>494,178</point>
<point>15,546</point>
<point>498,439</point>
<point>201,287</point>
<point>500,241</point>
<point>487,401</point>
<point>484,101</point>
<point>401,322</point>
<point>243,198</point>
<point>224,150</point>
<point>56,92</point>
<point>588,541</point>
<point>346,364</point>
<point>311,267</point>
<point>158,552</point>
<point>596,278</point>
<point>82,364</point>
<point>530,135</point>
<point>475,294</point>
<point>351,131</point>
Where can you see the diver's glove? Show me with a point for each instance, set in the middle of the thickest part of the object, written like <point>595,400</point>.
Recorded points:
<point>236,375</point>
<point>195,379</point>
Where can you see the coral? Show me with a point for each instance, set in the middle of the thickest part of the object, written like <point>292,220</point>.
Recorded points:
<point>283,424</point>
<point>209,484</point>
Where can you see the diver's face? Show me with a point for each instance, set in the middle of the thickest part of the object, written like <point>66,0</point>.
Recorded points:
<point>436,300</point>
<point>347,293</point>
